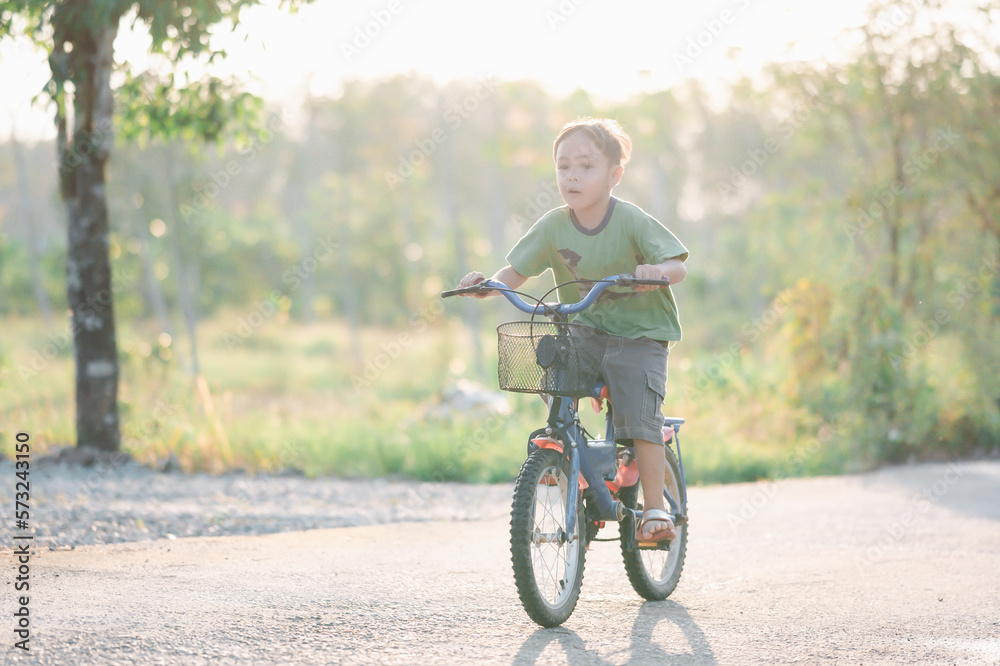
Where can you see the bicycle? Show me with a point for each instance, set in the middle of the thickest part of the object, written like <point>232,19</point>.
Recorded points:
<point>564,495</point>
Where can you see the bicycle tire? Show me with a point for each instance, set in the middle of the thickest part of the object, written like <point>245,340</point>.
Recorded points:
<point>654,574</point>
<point>550,589</point>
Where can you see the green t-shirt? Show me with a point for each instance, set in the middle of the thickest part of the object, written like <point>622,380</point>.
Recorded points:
<point>626,237</point>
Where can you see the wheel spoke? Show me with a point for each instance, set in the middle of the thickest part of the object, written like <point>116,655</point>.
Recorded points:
<point>550,555</point>
<point>651,570</point>
<point>542,571</point>
<point>547,567</point>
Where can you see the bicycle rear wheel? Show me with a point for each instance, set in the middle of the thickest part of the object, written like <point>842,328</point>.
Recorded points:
<point>548,568</point>
<point>654,573</point>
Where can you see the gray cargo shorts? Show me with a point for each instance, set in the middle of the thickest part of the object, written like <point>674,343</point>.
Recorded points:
<point>636,374</point>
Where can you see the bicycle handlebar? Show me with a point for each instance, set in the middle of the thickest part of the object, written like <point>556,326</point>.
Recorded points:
<point>655,283</point>
<point>555,308</point>
<point>464,290</point>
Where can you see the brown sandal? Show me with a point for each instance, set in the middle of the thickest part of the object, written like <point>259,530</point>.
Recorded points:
<point>655,515</point>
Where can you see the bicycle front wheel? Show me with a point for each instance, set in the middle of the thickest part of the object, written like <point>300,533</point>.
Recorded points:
<point>654,573</point>
<point>548,567</point>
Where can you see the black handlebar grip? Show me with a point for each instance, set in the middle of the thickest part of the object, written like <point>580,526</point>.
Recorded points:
<point>463,290</point>
<point>654,283</point>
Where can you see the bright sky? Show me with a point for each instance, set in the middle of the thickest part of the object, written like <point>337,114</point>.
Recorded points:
<point>611,49</point>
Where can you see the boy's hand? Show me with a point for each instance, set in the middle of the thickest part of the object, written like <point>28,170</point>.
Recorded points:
<point>647,272</point>
<point>473,278</point>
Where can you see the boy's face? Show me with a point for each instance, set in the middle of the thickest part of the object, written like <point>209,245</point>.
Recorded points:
<point>584,174</point>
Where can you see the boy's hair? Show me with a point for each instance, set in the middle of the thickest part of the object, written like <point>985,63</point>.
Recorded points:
<point>606,133</point>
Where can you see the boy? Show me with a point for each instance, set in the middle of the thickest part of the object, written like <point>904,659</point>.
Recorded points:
<point>595,235</point>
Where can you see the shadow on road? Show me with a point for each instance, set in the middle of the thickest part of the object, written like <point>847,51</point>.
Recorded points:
<point>645,650</point>
<point>572,646</point>
<point>642,649</point>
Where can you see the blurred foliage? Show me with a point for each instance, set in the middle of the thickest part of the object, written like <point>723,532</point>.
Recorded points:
<point>842,307</point>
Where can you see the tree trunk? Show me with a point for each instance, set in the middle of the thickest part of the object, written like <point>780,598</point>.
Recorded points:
<point>296,201</point>
<point>307,245</point>
<point>347,293</point>
<point>894,212</point>
<point>153,290</point>
<point>27,219</point>
<point>499,214</point>
<point>296,211</point>
<point>471,314</point>
<point>188,275</point>
<point>88,266</point>
<point>995,290</point>
<point>412,290</point>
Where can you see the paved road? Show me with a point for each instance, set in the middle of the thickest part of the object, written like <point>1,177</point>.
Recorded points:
<point>899,566</point>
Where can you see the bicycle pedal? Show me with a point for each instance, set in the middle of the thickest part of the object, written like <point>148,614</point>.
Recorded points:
<point>653,545</point>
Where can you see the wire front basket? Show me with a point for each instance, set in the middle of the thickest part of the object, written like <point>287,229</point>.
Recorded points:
<point>549,357</point>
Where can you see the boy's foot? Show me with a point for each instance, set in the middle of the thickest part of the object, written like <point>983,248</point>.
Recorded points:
<point>656,525</point>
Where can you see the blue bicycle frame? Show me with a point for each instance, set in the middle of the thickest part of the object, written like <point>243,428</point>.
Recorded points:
<point>562,421</point>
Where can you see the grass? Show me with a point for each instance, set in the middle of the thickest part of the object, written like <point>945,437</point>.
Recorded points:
<point>291,395</point>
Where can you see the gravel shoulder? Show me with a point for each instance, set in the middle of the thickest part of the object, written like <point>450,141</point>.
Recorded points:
<point>118,502</point>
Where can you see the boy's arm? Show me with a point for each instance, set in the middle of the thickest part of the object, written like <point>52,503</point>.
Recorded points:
<point>671,268</point>
<point>507,275</point>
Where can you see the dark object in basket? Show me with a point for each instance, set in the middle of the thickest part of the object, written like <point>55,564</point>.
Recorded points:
<point>549,357</point>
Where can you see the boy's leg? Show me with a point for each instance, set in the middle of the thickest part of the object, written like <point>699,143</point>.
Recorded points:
<point>636,372</point>
<point>652,469</point>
